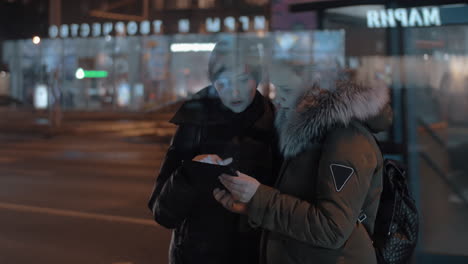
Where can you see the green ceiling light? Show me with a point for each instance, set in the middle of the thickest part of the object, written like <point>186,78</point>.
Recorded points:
<point>81,74</point>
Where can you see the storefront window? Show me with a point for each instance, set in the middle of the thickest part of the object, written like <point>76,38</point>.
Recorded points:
<point>436,68</point>
<point>146,72</point>
<point>422,54</point>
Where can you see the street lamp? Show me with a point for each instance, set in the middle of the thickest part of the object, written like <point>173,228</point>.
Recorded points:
<point>36,40</point>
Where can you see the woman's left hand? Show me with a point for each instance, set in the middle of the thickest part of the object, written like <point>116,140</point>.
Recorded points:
<point>242,187</point>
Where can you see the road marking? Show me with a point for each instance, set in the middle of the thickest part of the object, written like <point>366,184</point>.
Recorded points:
<point>77,214</point>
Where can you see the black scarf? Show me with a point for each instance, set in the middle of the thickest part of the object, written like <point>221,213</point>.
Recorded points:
<point>241,123</point>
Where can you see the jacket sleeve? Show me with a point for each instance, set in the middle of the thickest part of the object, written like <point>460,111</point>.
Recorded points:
<point>173,196</point>
<point>329,220</point>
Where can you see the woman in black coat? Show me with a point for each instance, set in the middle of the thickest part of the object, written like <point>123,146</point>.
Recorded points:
<point>229,119</point>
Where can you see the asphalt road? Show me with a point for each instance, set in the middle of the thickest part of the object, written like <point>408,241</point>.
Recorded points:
<point>78,200</point>
<point>82,199</point>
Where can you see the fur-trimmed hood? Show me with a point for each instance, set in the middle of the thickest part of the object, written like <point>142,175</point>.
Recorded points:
<point>319,110</point>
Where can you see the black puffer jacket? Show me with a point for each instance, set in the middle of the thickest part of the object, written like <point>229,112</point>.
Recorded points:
<point>204,232</point>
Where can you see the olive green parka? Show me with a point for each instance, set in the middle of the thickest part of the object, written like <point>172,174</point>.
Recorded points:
<point>332,169</point>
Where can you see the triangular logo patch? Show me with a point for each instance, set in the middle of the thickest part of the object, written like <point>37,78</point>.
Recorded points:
<point>341,174</point>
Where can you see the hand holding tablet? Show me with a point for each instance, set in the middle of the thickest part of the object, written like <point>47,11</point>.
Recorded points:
<point>205,176</point>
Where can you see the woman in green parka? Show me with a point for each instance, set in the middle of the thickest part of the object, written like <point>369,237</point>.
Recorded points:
<point>332,169</point>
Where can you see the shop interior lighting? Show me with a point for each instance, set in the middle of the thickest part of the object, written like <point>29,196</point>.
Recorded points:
<point>192,47</point>
<point>81,74</point>
<point>41,96</point>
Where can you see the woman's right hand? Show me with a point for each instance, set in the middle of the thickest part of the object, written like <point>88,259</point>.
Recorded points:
<point>226,199</point>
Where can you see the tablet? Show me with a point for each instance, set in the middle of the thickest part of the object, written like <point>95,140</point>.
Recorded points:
<point>204,176</point>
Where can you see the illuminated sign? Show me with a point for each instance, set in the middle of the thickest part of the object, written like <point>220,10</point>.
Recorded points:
<point>81,74</point>
<point>213,24</point>
<point>192,47</point>
<point>413,17</point>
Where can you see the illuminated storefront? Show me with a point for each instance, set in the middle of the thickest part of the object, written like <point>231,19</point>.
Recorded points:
<point>126,55</point>
<point>421,49</point>
<point>138,73</point>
